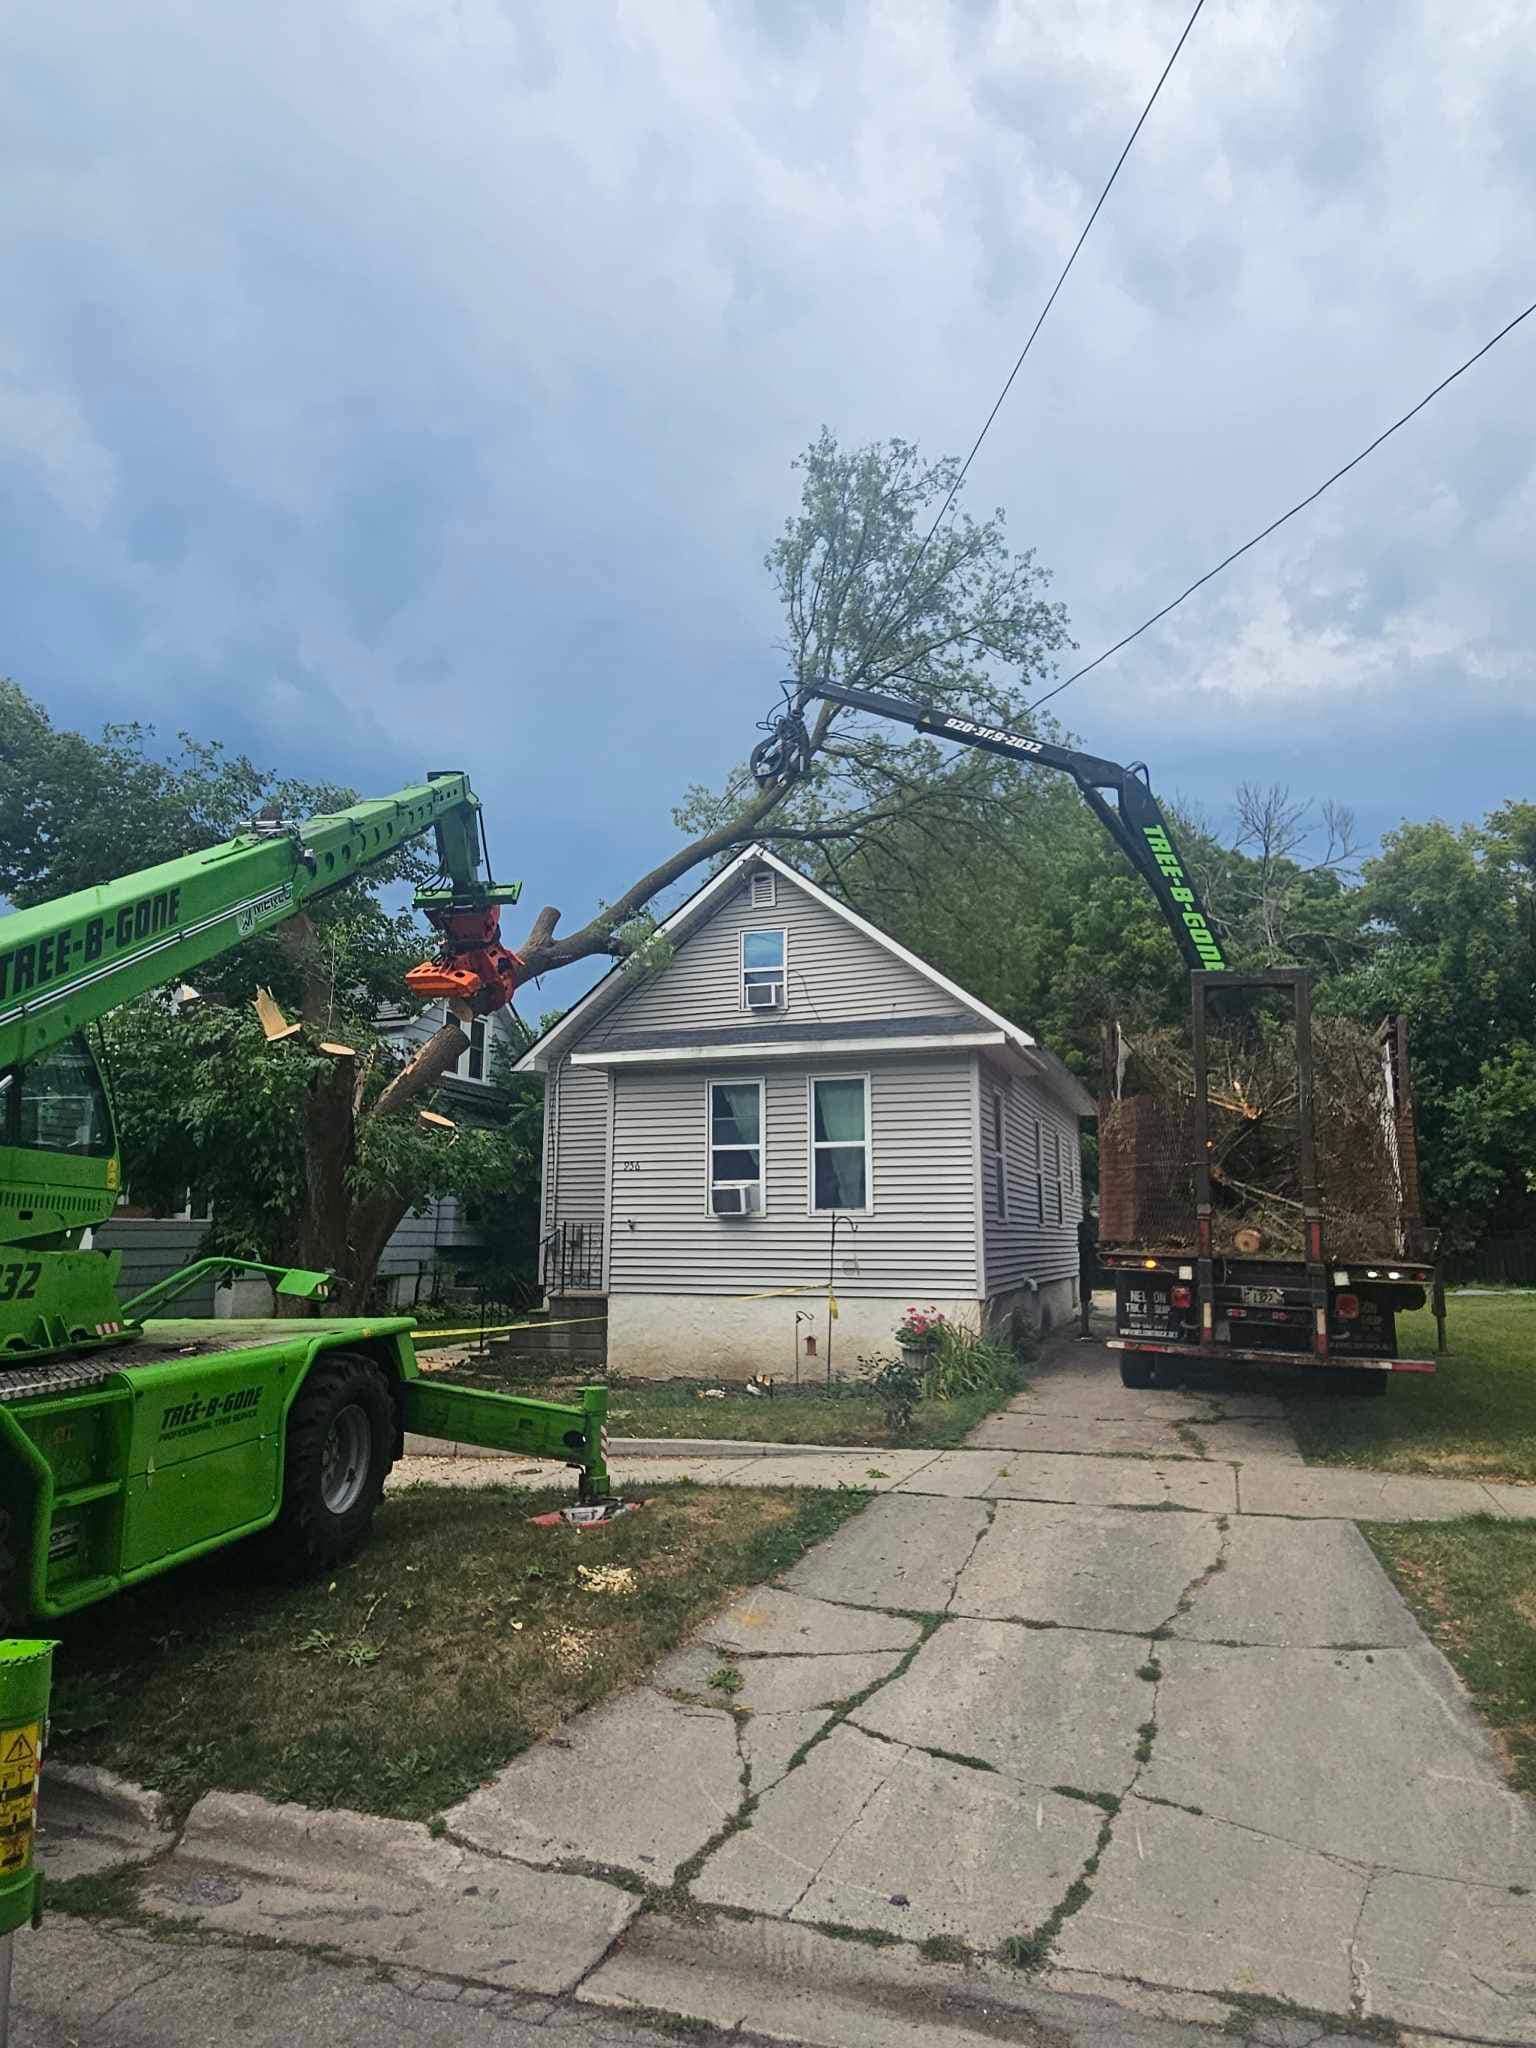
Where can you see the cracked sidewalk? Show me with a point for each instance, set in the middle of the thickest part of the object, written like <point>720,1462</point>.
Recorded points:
<point>1195,1763</point>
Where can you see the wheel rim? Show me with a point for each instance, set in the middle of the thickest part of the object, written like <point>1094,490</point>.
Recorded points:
<point>344,1461</point>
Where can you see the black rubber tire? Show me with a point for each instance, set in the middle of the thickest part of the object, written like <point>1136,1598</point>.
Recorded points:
<point>1137,1371</point>
<point>308,1535</point>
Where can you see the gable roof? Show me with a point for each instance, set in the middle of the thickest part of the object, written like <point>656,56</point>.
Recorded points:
<point>701,906</point>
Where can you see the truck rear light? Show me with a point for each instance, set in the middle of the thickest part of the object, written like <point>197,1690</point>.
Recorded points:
<point>1181,1297</point>
<point>1150,1264</point>
<point>1347,1306</point>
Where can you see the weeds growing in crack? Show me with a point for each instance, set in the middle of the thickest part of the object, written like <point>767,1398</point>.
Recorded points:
<point>1148,1734</point>
<point>1109,1801</point>
<point>928,1627</point>
<point>870,1937</point>
<point>1248,2006</point>
<point>1151,1671</point>
<point>944,1948</point>
<point>1178,1805</point>
<point>1031,1952</point>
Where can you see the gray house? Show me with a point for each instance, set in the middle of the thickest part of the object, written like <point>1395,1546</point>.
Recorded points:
<point>793,1104</point>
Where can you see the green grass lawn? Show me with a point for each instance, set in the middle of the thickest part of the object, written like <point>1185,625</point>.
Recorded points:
<point>793,1416</point>
<point>1473,1418</point>
<point>1472,1585</point>
<point>459,1635</point>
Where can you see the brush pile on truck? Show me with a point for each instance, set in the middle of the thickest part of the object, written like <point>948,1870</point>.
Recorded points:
<point>1259,1187</point>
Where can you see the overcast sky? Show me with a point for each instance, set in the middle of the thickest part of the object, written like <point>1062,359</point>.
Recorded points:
<point>395,384</point>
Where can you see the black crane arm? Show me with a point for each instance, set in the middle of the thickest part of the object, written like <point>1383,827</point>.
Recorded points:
<point>1134,820</point>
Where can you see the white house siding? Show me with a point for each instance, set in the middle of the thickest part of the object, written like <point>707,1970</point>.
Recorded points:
<point>1020,1247</point>
<point>834,972</point>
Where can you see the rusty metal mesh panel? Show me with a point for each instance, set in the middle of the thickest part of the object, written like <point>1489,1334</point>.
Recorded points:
<point>1147,1139</point>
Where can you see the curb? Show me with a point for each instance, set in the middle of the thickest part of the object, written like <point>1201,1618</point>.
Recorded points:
<point>620,1447</point>
<point>101,1801</point>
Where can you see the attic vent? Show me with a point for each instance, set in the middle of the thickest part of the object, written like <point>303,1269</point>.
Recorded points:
<point>765,892</point>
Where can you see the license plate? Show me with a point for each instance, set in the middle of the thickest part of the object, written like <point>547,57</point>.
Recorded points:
<point>1264,1297</point>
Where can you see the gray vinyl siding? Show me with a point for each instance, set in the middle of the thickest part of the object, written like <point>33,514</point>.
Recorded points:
<point>1020,1247</point>
<point>154,1248</point>
<point>419,1239</point>
<point>575,1146</point>
<point>919,1241</point>
<point>834,972</point>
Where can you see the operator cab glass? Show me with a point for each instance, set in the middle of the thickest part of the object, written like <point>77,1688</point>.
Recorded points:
<point>57,1103</point>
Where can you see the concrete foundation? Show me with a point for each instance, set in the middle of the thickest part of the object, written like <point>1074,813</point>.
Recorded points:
<point>1031,1311</point>
<point>725,1337</point>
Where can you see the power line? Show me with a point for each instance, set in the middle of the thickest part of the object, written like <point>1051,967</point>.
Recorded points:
<point>1044,310</point>
<point>1300,506</point>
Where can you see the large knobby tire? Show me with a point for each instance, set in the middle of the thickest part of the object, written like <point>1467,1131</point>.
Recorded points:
<point>1137,1370</point>
<point>341,1444</point>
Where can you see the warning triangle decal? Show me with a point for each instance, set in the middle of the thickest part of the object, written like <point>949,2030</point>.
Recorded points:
<point>20,1750</point>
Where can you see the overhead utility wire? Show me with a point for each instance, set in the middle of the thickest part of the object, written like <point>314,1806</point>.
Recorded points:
<point>1300,506</point>
<point>954,488</point>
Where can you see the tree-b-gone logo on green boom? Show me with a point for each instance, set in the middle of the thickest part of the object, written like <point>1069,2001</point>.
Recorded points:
<point>56,954</point>
<point>1178,888</point>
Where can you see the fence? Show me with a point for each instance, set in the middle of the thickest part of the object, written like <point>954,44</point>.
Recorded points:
<point>1497,1262</point>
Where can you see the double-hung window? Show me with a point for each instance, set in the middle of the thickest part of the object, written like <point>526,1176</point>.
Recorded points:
<point>999,1155</point>
<point>763,970</point>
<point>736,1148</point>
<point>839,1144</point>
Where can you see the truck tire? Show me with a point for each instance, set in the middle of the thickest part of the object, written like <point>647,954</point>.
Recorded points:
<point>1136,1370</point>
<point>341,1443</point>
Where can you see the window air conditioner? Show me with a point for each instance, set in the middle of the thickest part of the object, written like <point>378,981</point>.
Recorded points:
<point>763,995</point>
<point>732,1201</point>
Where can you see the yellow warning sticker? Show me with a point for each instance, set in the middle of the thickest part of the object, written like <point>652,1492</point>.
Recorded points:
<point>20,1753</point>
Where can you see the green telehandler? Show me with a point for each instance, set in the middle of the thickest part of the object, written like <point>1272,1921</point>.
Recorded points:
<point>130,1443</point>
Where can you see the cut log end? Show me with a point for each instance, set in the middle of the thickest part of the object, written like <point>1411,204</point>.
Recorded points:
<point>1248,1241</point>
<point>336,1051</point>
<point>434,1122</point>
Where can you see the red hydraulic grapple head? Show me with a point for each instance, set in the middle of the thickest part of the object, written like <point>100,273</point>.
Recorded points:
<point>473,967</point>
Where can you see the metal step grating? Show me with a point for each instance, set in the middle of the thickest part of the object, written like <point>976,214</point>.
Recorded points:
<point>67,1376</point>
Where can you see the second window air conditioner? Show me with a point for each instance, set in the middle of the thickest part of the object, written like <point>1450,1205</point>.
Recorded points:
<point>764,995</point>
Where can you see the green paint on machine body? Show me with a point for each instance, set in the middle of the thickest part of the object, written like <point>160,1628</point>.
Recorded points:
<point>128,1444</point>
<point>172,1456</point>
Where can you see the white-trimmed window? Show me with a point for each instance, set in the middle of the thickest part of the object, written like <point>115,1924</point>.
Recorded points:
<point>765,890</point>
<point>1039,1173</point>
<point>999,1155</point>
<point>1053,1174</point>
<point>764,956</point>
<point>840,1150</point>
<point>736,1148</point>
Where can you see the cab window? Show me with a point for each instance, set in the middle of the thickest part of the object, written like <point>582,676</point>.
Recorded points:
<point>57,1104</point>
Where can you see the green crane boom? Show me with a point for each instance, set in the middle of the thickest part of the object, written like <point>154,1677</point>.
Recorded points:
<point>127,1445</point>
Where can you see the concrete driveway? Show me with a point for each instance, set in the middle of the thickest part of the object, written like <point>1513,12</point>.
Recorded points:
<point>1051,1699</point>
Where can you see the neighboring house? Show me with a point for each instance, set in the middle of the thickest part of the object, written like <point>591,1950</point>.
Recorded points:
<point>154,1247</point>
<point>792,1099</point>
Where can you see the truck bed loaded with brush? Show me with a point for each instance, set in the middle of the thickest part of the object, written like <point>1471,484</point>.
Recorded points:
<point>1258,1187</point>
